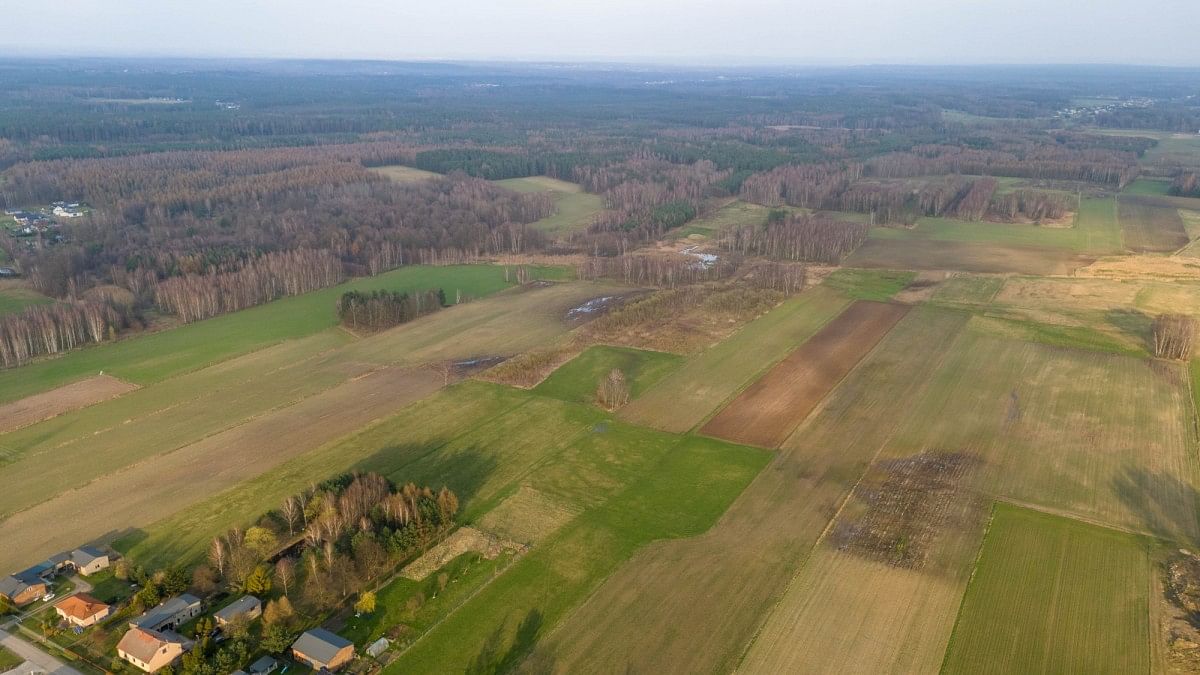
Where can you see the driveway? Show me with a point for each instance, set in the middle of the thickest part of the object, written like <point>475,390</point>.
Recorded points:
<point>39,658</point>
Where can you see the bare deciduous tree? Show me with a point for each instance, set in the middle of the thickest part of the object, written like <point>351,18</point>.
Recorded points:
<point>613,391</point>
<point>1173,336</point>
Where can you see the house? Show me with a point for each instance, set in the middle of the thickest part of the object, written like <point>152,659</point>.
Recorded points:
<point>247,606</point>
<point>318,648</point>
<point>23,588</point>
<point>170,614</point>
<point>82,610</point>
<point>88,560</point>
<point>151,650</point>
<point>264,666</point>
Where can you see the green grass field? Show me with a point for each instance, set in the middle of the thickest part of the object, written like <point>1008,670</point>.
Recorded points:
<point>680,494</point>
<point>578,379</point>
<point>15,299</point>
<point>1147,186</point>
<point>969,290</point>
<point>154,357</point>
<point>878,285</point>
<point>734,213</point>
<point>1052,595</point>
<point>687,396</point>
<point>9,660</point>
<point>574,207</point>
<point>405,174</point>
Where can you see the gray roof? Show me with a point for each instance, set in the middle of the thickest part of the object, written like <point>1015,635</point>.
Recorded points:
<point>244,604</point>
<point>58,558</point>
<point>165,612</point>
<point>84,555</point>
<point>320,645</point>
<point>264,665</point>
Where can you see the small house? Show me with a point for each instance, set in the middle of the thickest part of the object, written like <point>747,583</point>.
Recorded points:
<point>246,606</point>
<point>23,588</point>
<point>170,614</point>
<point>82,610</point>
<point>264,666</point>
<point>88,560</point>
<point>151,650</point>
<point>318,648</point>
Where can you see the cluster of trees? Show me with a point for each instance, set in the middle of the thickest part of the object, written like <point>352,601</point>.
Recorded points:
<point>1033,205</point>
<point>808,238</point>
<point>193,297</point>
<point>663,270</point>
<point>809,186</point>
<point>377,310</point>
<point>1186,184</point>
<point>43,330</point>
<point>1174,335</point>
<point>613,390</point>
<point>1010,157</point>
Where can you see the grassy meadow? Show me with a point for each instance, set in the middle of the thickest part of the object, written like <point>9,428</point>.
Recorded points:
<point>574,208</point>
<point>578,379</point>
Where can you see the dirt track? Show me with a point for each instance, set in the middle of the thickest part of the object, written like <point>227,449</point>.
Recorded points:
<point>767,412</point>
<point>34,409</point>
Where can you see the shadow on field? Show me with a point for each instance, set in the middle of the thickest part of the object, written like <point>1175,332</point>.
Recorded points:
<point>1166,505</point>
<point>462,469</point>
<point>1132,323</point>
<point>493,658</point>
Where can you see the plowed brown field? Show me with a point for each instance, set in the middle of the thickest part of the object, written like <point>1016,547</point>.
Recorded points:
<point>767,412</point>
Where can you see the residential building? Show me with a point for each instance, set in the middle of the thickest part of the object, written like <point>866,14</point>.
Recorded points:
<point>23,588</point>
<point>264,666</point>
<point>82,610</point>
<point>151,650</point>
<point>318,648</point>
<point>88,560</point>
<point>169,615</point>
<point>247,606</point>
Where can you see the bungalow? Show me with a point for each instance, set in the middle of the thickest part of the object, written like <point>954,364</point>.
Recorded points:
<point>247,606</point>
<point>151,650</point>
<point>318,648</point>
<point>88,560</point>
<point>23,588</point>
<point>169,615</point>
<point>82,610</point>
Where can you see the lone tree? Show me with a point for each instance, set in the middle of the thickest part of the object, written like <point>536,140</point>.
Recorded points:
<point>613,391</point>
<point>1173,336</point>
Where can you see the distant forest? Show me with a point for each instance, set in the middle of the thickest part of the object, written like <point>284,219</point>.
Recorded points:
<point>213,186</point>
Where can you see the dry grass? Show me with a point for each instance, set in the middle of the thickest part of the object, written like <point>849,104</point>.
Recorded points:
<point>405,174</point>
<point>141,493</point>
<point>528,516</point>
<point>929,254</point>
<point>39,407</point>
<point>463,540</point>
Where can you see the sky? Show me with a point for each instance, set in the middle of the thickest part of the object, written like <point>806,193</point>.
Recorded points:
<point>702,32</point>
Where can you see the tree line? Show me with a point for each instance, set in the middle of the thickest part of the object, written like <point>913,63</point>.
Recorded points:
<point>808,238</point>
<point>380,309</point>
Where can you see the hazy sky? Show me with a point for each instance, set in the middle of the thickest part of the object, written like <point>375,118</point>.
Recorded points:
<point>697,31</point>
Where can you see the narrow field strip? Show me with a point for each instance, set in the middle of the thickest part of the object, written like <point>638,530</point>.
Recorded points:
<point>41,407</point>
<point>767,412</point>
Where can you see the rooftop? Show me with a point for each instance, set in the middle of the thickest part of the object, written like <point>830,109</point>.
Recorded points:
<point>320,645</point>
<point>81,606</point>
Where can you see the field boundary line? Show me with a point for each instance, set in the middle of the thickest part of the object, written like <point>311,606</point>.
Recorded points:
<point>987,529</point>
<point>940,361</point>
<point>758,374</point>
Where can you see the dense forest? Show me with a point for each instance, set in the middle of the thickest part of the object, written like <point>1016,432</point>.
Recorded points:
<point>205,187</point>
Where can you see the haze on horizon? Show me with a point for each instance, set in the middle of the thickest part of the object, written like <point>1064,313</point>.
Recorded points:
<point>710,32</point>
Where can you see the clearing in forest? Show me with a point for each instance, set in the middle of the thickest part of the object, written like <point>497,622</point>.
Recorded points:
<point>1150,227</point>
<point>574,208</point>
<point>693,605</point>
<point>33,409</point>
<point>767,412</point>
<point>405,174</point>
<point>1053,595</point>
<point>687,396</point>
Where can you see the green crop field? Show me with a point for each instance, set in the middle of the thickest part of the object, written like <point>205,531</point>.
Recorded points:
<point>574,208</point>
<point>578,379</point>
<point>971,290</point>
<point>1147,186</point>
<point>154,357</point>
<point>1052,595</point>
<point>703,382</point>
<point>878,285</point>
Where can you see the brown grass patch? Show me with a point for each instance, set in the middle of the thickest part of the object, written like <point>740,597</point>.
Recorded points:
<point>767,412</point>
<point>1149,226</point>
<point>34,409</point>
<point>463,540</point>
<point>928,254</point>
<point>1144,267</point>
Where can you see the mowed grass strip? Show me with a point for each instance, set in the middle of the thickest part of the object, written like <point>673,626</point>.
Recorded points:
<point>154,357</point>
<point>680,495</point>
<point>692,606</point>
<point>1150,227</point>
<point>1053,595</point>
<point>578,379</point>
<point>691,393</point>
<point>766,413</point>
